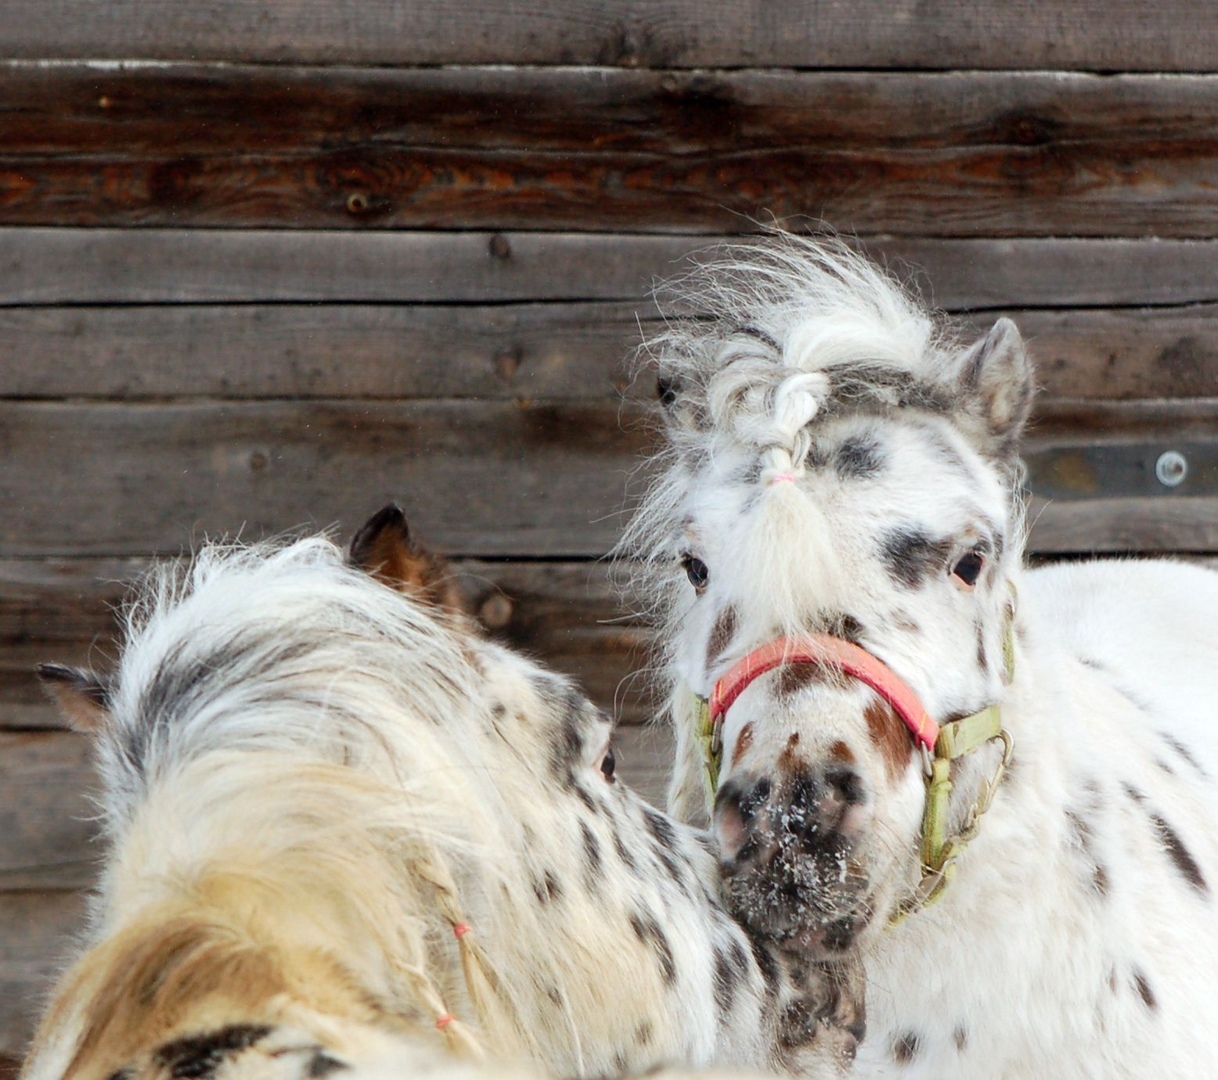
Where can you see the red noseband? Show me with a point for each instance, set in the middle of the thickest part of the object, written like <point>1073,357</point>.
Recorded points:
<point>826,651</point>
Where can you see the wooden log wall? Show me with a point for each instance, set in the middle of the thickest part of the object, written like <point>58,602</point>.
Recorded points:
<point>270,263</point>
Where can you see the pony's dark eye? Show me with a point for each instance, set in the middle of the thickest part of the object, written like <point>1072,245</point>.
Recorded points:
<point>696,570</point>
<point>968,569</point>
<point>608,764</point>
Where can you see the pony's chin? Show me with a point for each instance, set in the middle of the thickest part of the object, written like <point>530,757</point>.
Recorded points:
<point>797,924</point>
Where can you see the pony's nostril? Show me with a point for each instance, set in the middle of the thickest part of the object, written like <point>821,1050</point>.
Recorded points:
<point>752,801</point>
<point>846,784</point>
<point>738,808</point>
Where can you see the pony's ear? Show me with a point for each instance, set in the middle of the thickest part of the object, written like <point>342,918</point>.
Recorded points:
<point>995,379</point>
<point>384,549</point>
<point>83,698</point>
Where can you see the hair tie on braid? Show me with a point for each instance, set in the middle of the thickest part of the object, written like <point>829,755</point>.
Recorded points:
<point>460,930</point>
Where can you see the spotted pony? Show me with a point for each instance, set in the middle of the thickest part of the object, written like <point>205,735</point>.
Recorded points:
<point>346,834</point>
<point>995,785</point>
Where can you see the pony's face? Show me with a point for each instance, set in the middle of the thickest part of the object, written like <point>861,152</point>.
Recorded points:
<point>896,539</point>
<point>841,473</point>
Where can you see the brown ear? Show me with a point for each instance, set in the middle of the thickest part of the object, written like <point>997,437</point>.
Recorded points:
<point>82,697</point>
<point>384,549</point>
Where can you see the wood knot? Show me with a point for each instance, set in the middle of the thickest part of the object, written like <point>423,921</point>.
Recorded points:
<point>499,247</point>
<point>507,363</point>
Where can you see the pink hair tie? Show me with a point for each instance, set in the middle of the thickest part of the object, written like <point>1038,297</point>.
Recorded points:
<point>444,1021</point>
<point>782,478</point>
<point>460,929</point>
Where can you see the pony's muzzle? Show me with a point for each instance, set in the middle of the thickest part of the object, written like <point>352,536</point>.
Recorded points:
<point>788,855</point>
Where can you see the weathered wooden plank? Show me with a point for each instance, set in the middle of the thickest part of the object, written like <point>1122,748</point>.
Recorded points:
<point>37,935</point>
<point>46,837</point>
<point>50,266</point>
<point>945,154</point>
<point>303,351</point>
<point>91,266</point>
<point>489,479</point>
<point>1124,526</point>
<point>534,479</point>
<point>1147,353</point>
<point>551,351</point>
<point>1087,34</point>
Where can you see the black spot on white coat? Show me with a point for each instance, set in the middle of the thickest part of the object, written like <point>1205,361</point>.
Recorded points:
<point>200,1057</point>
<point>911,556</point>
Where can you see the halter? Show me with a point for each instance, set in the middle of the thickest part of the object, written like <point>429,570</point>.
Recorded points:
<point>941,744</point>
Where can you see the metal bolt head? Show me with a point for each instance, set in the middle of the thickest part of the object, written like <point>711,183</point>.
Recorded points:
<point>1171,468</point>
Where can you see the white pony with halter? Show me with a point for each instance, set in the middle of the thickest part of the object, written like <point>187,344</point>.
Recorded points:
<point>858,668</point>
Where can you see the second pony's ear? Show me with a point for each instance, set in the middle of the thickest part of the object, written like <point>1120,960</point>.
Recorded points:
<point>384,549</point>
<point>83,697</point>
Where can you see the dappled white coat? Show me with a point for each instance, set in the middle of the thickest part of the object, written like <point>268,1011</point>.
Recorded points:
<point>838,462</point>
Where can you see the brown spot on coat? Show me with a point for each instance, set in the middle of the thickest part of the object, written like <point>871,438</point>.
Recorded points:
<point>889,735</point>
<point>1144,991</point>
<point>1184,752</point>
<point>793,678</point>
<point>743,741</point>
<point>842,754</point>
<point>788,760</point>
<point>905,1049</point>
<point>1179,854</point>
<point>721,635</point>
<point>1083,836</point>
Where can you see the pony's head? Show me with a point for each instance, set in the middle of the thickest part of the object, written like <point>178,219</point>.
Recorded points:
<point>832,539</point>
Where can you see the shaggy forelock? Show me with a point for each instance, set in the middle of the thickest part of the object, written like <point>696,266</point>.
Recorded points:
<point>761,341</point>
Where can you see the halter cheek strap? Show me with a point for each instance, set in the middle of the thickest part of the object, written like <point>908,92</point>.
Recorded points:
<point>940,744</point>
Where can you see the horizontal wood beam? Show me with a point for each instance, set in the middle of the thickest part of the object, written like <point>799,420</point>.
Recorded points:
<point>549,479</point>
<point>1103,35</point>
<point>53,266</point>
<point>944,154</point>
<point>556,351</point>
<point>537,479</point>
